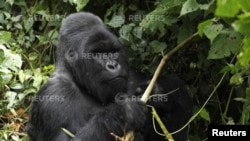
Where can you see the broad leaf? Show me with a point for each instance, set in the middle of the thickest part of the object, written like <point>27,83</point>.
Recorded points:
<point>242,25</point>
<point>184,32</point>
<point>80,4</point>
<point>16,86</point>
<point>205,115</point>
<point>11,97</point>
<point>243,57</point>
<point>157,46</point>
<point>125,32</point>
<point>137,32</point>
<point>202,26</point>
<point>189,6</point>
<point>227,8</point>
<point>116,21</point>
<point>225,44</point>
<point>12,61</point>
<point>5,36</point>
<point>236,79</point>
<point>21,76</point>
<point>212,31</point>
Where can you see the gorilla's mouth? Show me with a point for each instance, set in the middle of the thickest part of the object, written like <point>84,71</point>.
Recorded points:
<point>117,78</point>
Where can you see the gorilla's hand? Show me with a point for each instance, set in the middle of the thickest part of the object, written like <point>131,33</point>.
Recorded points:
<point>133,109</point>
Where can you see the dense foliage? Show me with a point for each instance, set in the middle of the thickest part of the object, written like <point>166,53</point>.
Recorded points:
<point>215,64</point>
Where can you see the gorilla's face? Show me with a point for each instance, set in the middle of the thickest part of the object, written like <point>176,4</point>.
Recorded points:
<point>104,65</point>
<point>94,57</point>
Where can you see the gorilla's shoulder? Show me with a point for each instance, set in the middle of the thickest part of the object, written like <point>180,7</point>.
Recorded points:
<point>53,83</point>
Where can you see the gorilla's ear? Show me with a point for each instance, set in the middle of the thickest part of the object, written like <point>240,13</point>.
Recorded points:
<point>71,55</point>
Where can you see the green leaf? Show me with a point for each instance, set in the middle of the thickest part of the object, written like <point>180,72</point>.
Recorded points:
<point>1,80</point>
<point>15,138</point>
<point>205,115</point>
<point>16,86</point>
<point>38,81</point>
<point>6,78</point>
<point>225,44</point>
<point>7,15</point>
<point>49,69</point>
<point>33,56</point>
<point>116,21</point>
<point>28,23</point>
<point>16,18</point>
<point>212,31</point>
<point>202,26</point>
<point>240,99</point>
<point>11,97</point>
<point>132,7</point>
<point>227,68</point>
<point>156,20</point>
<point>38,78</point>
<point>230,121</point>
<point>243,56</point>
<point>5,36</point>
<point>206,6</point>
<point>11,2</point>
<point>227,8</point>
<point>80,4</point>
<point>43,13</point>
<point>31,90</point>
<point>171,3</point>
<point>157,46</point>
<point>125,32</point>
<point>11,61</point>
<point>236,79</point>
<point>242,25</point>
<point>189,6</point>
<point>21,76</point>
<point>137,32</point>
<point>18,26</point>
<point>184,32</point>
<point>245,5</point>
<point>1,56</point>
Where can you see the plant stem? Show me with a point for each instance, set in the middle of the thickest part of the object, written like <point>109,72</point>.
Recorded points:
<point>162,63</point>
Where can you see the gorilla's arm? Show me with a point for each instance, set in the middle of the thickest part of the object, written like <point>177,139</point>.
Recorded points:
<point>82,115</point>
<point>105,122</point>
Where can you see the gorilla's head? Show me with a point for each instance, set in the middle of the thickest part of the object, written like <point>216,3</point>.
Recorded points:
<point>93,57</point>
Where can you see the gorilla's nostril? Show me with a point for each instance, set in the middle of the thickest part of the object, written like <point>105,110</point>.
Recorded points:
<point>111,67</point>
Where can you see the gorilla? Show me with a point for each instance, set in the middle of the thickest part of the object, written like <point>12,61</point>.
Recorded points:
<point>86,94</point>
<point>92,91</point>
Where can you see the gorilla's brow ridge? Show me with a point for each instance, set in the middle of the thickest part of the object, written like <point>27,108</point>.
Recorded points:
<point>101,42</point>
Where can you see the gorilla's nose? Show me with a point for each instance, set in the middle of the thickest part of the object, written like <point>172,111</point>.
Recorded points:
<point>112,66</point>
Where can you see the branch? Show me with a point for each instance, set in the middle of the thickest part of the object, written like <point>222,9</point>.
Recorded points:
<point>162,63</point>
<point>129,136</point>
<point>147,92</point>
<point>161,124</point>
<point>68,132</point>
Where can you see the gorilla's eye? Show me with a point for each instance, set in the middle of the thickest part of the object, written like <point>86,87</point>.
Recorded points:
<point>114,51</point>
<point>71,53</point>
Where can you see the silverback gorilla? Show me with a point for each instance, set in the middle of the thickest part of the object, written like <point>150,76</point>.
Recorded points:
<point>91,92</point>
